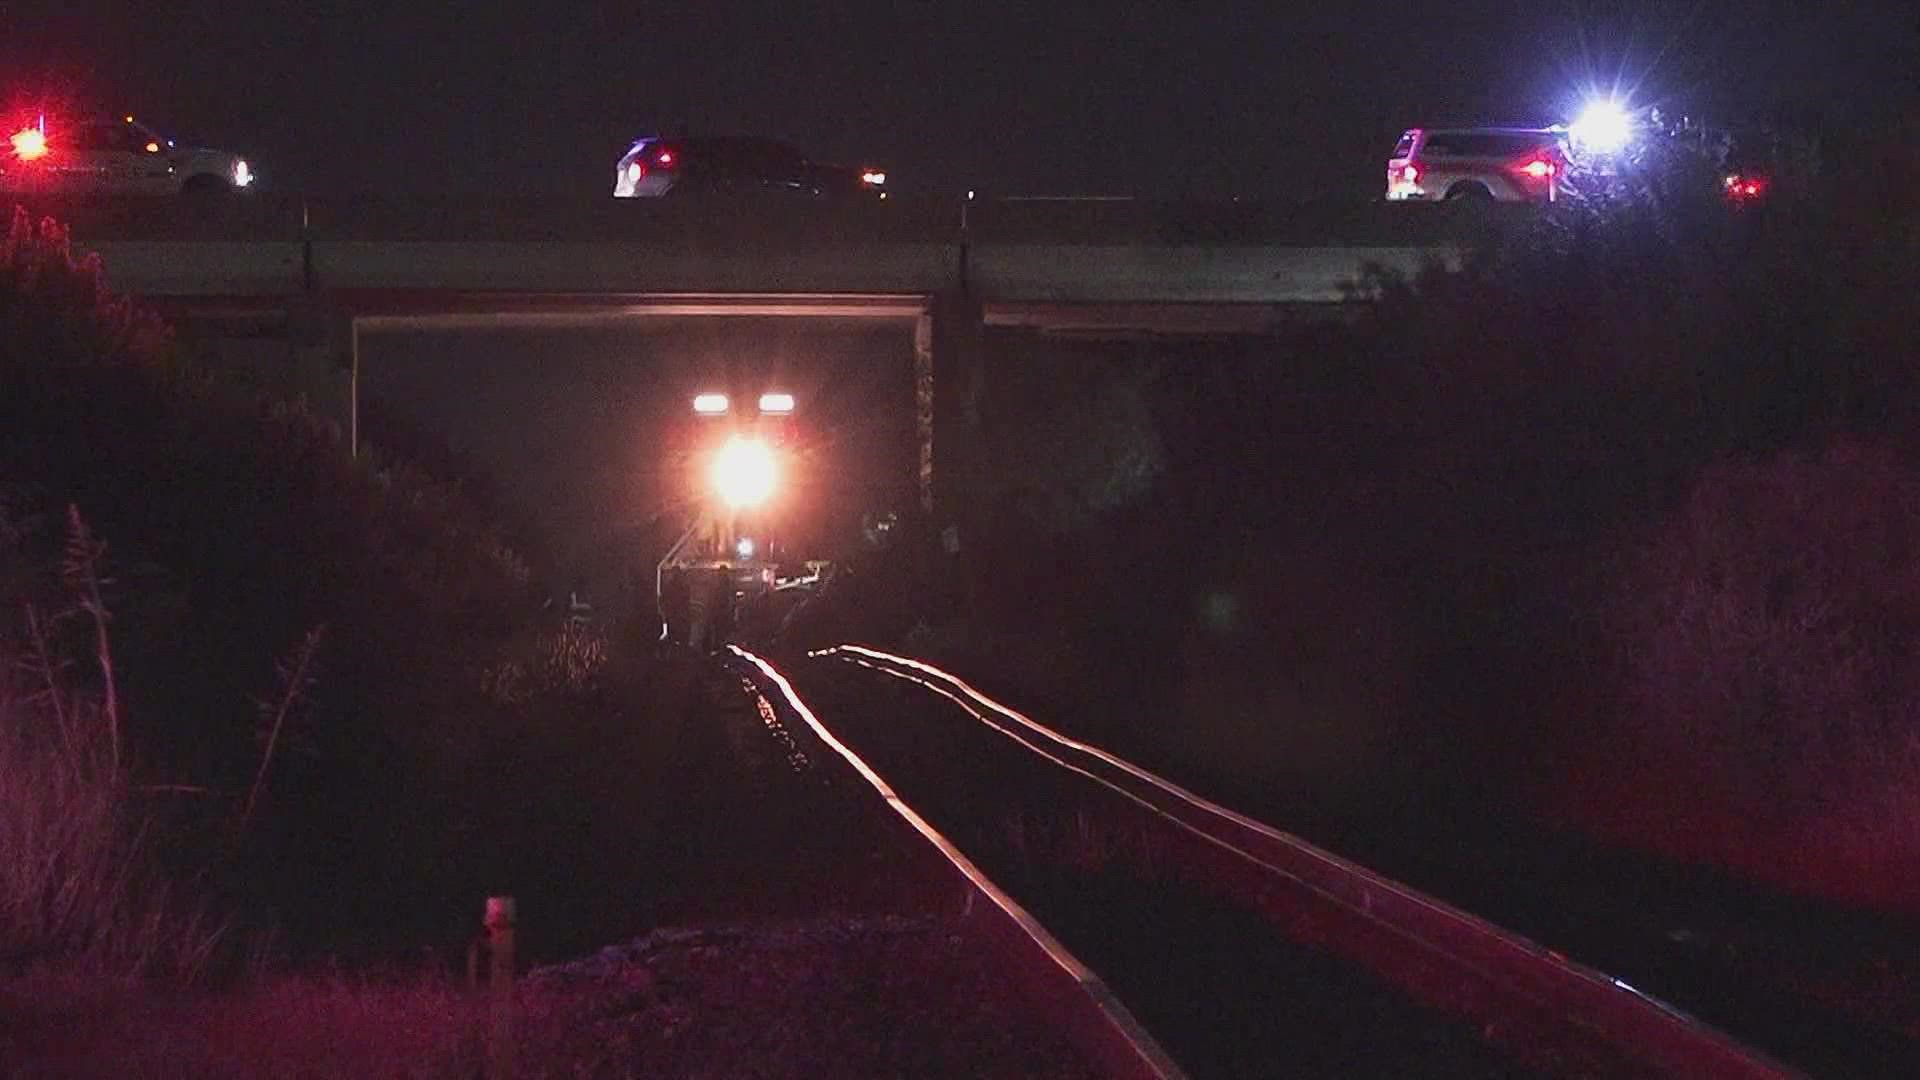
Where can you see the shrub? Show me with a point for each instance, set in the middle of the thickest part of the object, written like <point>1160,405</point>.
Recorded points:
<point>555,666</point>
<point>238,524</point>
<point>1398,511</point>
<point>1761,640</point>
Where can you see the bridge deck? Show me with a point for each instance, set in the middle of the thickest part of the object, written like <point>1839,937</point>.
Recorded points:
<point>1060,252</point>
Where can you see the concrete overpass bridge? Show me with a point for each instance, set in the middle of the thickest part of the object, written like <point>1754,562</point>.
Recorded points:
<point>283,287</point>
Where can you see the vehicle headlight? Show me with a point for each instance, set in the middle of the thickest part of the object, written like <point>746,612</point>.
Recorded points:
<point>242,174</point>
<point>1603,126</point>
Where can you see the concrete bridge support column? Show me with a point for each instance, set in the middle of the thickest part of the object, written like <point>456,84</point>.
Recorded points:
<point>948,354</point>
<point>326,363</point>
<point>947,369</point>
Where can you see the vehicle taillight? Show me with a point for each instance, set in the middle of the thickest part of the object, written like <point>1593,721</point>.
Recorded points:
<point>1409,173</point>
<point>1741,188</point>
<point>665,158</point>
<point>1538,168</point>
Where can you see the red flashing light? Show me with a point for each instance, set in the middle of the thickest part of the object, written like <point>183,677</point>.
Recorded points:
<point>1410,172</point>
<point>29,144</point>
<point>664,159</point>
<point>1538,168</point>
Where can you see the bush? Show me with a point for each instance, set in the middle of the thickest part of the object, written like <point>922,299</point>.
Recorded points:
<point>555,667</point>
<point>1761,640</point>
<point>1572,381</point>
<point>1403,517</point>
<point>237,525</point>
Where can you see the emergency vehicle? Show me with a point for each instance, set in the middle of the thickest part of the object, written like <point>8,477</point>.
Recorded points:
<point>112,157</point>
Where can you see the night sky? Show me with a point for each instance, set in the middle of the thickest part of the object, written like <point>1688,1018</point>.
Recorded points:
<point>1035,97</point>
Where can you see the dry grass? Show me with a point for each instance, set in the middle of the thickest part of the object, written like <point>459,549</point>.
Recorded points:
<point>837,996</point>
<point>78,886</point>
<point>315,1026</point>
<point>567,660</point>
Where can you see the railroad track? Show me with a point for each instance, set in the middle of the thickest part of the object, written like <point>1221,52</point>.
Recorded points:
<point>1222,947</point>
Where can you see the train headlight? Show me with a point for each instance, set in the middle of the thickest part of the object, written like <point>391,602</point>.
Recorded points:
<point>744,472</point>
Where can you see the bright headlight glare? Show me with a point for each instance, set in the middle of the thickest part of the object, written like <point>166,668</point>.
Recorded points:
<point>744,472</point>
<point>1603,126</point>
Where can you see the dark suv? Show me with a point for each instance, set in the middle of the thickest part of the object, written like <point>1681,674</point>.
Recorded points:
<point>735,165</point>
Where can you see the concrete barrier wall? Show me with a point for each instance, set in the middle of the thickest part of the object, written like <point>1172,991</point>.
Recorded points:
<point>1069,273</point>
<point>201,268</point>
<point>266,216</point>
<point>1055,273</point>
<point>1050,251</point>
<point>1139,222</point>
<point>616,267</point>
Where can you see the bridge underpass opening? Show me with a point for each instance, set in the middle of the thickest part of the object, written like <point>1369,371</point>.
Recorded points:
<point>567,428</point>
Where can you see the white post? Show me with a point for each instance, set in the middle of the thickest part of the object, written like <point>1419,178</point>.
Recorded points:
<point>499,922</point>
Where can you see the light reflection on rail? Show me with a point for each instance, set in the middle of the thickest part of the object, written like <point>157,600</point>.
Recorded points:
<point>1146,1057</point>
<point>1699,1042</point>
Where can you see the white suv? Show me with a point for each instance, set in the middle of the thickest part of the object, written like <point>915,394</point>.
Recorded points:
<point>113,157</point>
<point>1485,164</point>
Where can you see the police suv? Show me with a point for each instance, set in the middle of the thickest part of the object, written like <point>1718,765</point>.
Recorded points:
<point>113,157</point>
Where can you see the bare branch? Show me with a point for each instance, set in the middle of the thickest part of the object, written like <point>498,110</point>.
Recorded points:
<point>82,571</point>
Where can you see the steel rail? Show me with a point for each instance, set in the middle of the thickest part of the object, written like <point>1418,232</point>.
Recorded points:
<point>1647,1028</point>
